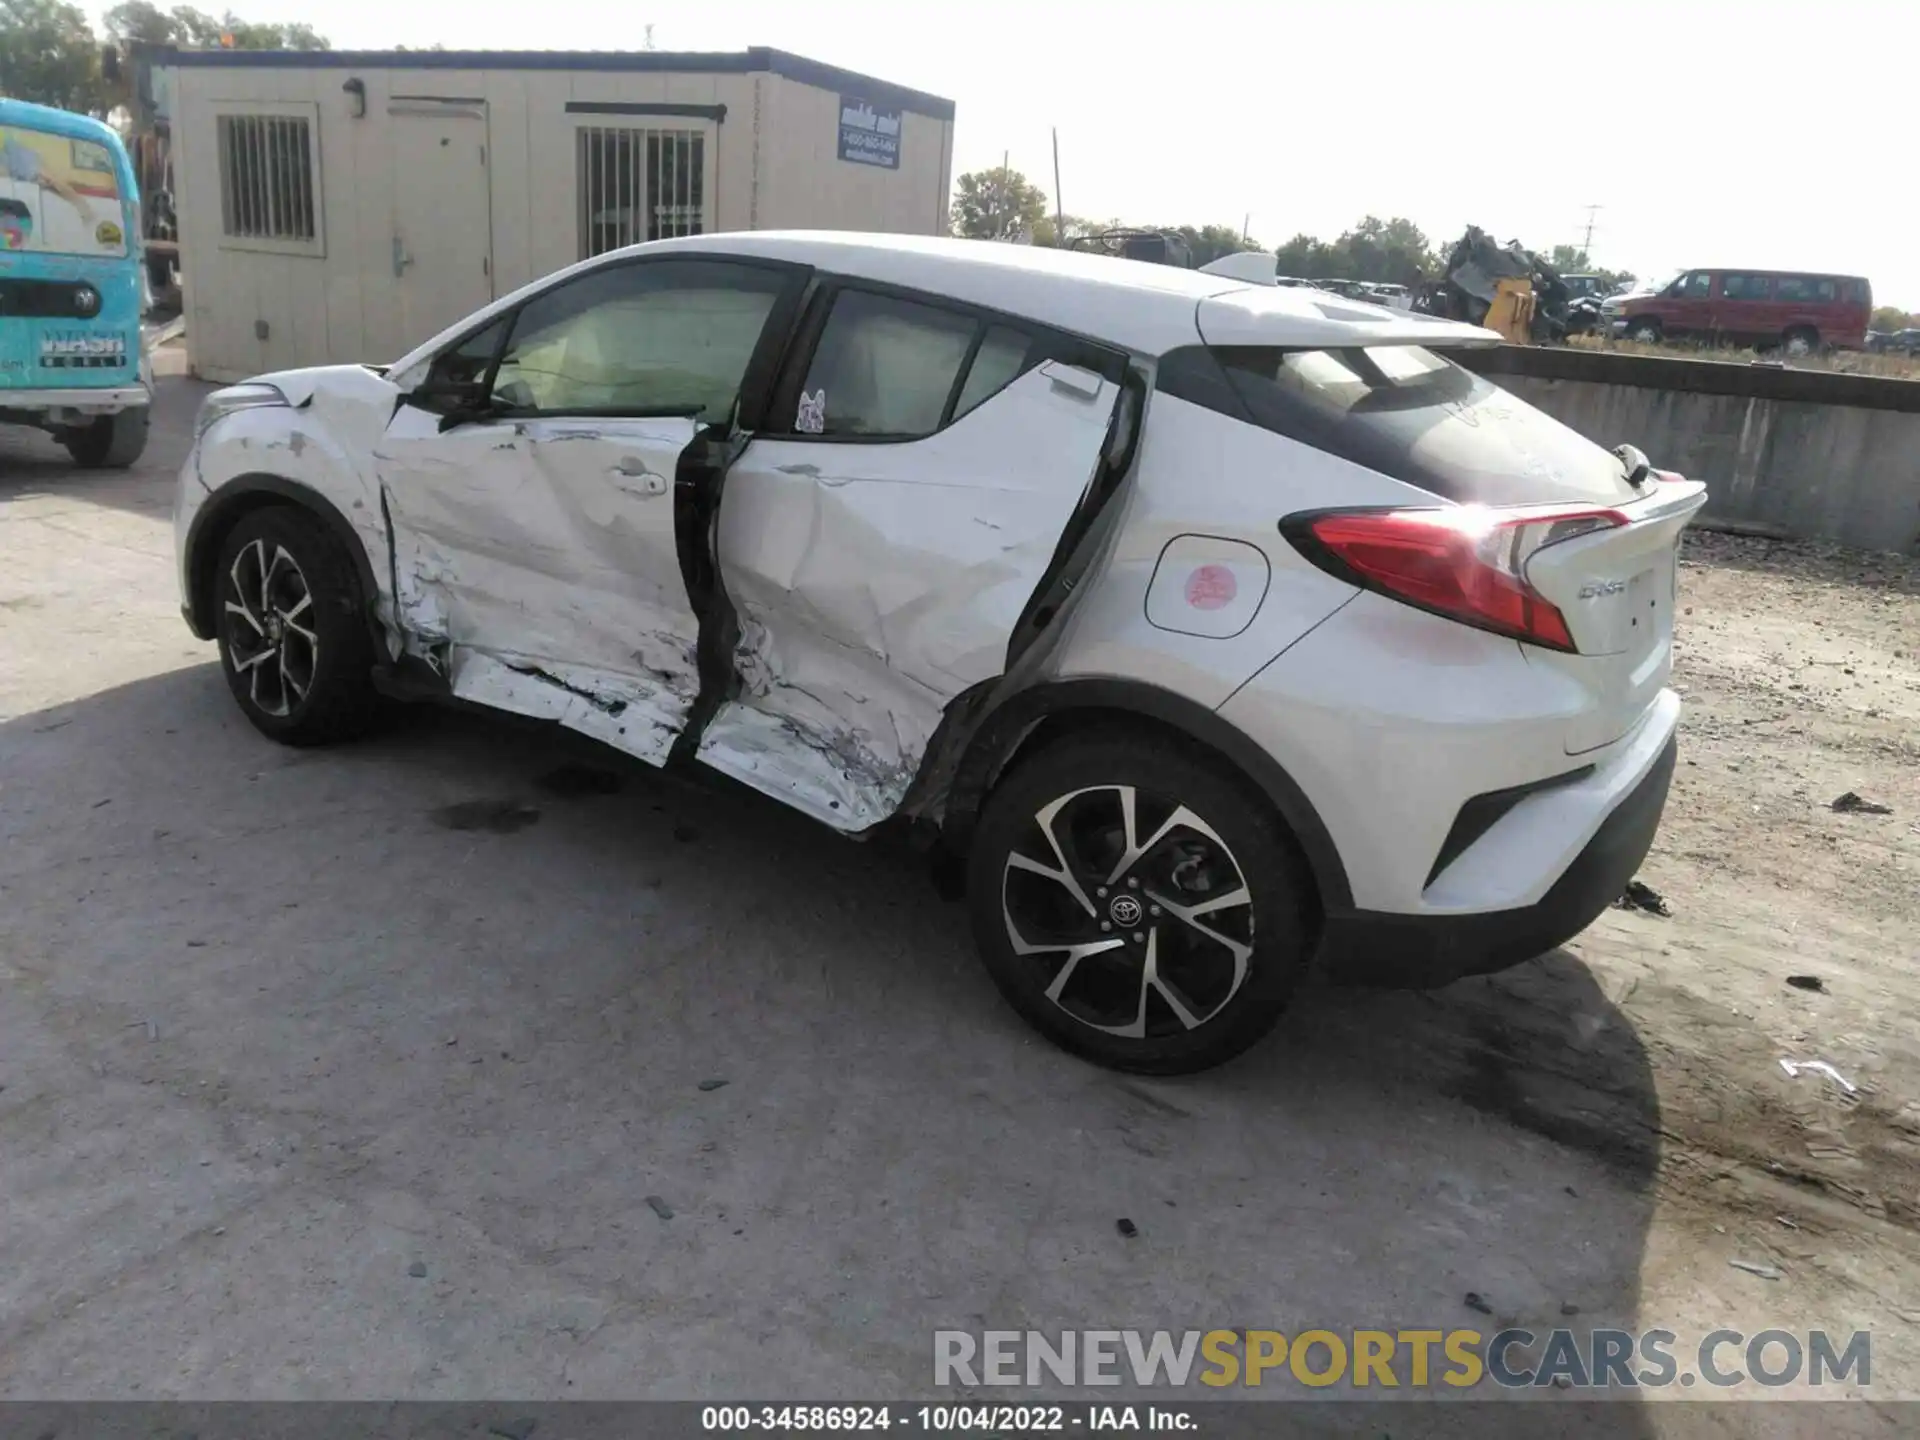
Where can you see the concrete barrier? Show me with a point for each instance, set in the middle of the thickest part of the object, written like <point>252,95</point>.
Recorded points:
<point>1804,453</point>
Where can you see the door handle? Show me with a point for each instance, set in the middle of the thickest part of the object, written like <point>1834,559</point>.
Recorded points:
<point>632,469</point>
<point>401,259</point>
<point>1072,379</point>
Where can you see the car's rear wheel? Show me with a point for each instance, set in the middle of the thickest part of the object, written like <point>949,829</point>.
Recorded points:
<point>1644,332</point>
<point>1801,340</point>
<point>293,634</point>
<point>108,442</point>
<point>1136,906</point>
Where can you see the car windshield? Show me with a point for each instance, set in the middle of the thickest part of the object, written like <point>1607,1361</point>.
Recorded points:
<point>58,195</point>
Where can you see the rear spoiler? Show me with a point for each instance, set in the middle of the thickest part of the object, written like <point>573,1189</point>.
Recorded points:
<point>1299,319</point>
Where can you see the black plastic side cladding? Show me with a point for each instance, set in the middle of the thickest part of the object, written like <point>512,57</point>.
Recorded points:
<point>999,734</point>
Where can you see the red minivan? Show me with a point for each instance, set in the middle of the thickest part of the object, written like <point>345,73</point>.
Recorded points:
<point>1797,310</point>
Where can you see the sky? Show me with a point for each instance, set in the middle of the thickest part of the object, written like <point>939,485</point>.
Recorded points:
<point>1707,132</point>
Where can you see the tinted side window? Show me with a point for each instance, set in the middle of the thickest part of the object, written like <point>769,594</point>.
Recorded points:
<point>1806,289</point>
<point>883,367</point>
<point>1696,286</point>
<point>1005,354</point>
<point>664,337</point>
<point>1858,292</point>
<point>1401,411</point>
<point>1746,287</point>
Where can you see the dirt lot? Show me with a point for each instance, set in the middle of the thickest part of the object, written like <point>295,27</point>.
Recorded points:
<point>347,1073</point>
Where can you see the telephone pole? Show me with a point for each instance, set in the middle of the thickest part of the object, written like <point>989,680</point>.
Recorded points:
<point>1586,245</point>
<point>1059,205</point>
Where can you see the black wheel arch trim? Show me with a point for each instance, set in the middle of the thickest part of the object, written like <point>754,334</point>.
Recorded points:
<point>999,736</point>
<point>225,508</point>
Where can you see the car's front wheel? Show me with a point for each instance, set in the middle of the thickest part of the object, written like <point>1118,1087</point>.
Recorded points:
<point>293,636</point>
<point>1136,905</point>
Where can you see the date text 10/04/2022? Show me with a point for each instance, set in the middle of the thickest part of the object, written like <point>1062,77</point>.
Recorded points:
<point>946,1419</point>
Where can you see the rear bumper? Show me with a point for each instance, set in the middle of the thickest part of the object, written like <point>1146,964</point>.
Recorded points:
<point>1376,948</point>
<point>103,401</point>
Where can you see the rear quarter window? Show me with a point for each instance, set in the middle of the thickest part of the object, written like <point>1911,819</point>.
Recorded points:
<point>1404,412</point>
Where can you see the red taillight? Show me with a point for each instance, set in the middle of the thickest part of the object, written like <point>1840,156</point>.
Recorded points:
<point>1468,563</point>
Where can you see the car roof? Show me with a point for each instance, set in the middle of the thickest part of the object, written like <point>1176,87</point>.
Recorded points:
<point>1130,304</point>
<point>1147,308</point>
<point>1142,306</point>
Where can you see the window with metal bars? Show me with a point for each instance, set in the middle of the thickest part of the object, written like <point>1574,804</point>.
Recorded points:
<point>638,185</point>
<point>266,178</point>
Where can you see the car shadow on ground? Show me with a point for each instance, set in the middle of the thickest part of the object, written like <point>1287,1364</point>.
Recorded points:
<point>500,972</point>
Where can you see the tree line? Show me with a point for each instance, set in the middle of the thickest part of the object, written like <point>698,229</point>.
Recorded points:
<point>50,54</point>
<point>1002,204</point>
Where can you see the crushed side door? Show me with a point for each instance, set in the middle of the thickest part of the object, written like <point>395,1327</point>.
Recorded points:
<point>875,582</point>
<point>539,547</point>
<point>535,570</point>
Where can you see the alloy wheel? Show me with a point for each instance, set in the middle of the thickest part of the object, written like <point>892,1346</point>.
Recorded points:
<point>270,635</point>
<point>1134,907</point>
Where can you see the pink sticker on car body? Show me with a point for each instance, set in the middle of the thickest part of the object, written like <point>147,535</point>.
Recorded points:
<point>1211,587</point>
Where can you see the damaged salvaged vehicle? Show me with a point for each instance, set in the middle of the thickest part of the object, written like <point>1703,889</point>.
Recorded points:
<point>1212,631</point>
<point>1507,288</point>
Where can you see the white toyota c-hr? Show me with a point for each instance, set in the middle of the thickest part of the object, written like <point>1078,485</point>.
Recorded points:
<point>1218,631</point>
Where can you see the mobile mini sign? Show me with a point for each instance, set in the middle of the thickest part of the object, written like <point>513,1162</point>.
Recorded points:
<point>869,135</point>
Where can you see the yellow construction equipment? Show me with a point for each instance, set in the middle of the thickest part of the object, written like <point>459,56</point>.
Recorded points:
<point>1511,313</point>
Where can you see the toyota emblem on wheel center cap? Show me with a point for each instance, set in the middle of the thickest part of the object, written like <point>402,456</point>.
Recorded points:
<point>1126,910</point>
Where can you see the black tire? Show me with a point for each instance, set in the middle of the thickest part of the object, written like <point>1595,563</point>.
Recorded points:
<point>1644,332</point>
<point>338,700</point>
<point>108,442</point>
<point>1223,1017</point>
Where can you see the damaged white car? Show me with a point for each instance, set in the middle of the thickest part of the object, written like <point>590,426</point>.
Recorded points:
<point>1218,631</point>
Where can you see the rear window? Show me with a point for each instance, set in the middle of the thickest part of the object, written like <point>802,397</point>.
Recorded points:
<point>58,195</point>
<point>1404,412</point>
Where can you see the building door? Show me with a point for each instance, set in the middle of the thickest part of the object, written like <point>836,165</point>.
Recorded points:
<point>442,214</point>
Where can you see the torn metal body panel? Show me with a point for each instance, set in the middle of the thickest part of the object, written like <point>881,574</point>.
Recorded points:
<point>875,582</point>
<point>622,713</point>
<point>321,440</point>
<point>536,568</point>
